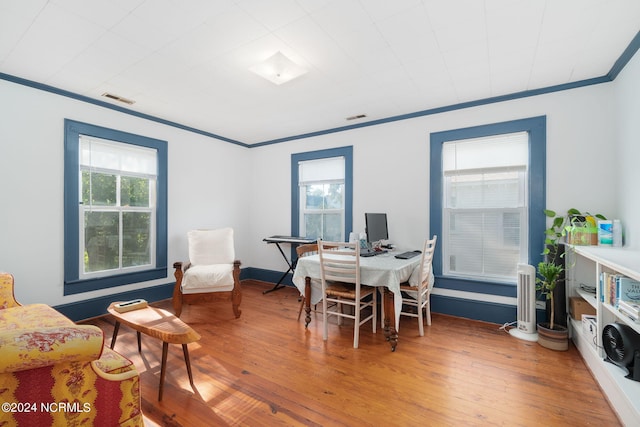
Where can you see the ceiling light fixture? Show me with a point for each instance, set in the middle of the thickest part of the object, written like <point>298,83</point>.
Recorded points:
<point>278,69</point>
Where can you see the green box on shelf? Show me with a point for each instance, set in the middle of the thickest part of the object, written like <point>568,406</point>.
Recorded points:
<point>582,234</point>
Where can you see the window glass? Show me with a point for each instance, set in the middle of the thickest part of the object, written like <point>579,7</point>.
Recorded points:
<point>101,237</point>
<point>136,239</point>
<point>333,227</point>
<point>135,191</point>
<point>314,196</point>
<point>334,196</point>
<point>99,189</point>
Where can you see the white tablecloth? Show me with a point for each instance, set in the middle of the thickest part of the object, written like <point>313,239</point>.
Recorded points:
<point>381,270</point>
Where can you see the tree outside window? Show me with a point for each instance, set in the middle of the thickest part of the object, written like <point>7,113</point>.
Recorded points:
<point>117,231</point>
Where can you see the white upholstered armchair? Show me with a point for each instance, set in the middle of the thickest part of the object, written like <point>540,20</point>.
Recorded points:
<point>212,272</point>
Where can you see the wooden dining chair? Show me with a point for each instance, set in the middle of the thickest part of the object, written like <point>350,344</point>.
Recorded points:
<point>302,251</point>
<point>416,293</point>
<point>340,276</point>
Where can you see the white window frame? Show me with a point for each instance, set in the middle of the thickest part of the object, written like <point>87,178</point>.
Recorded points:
<point>520,207</point>
<point>125,150</point>
<point>317,178</point>
<point>321,212</point>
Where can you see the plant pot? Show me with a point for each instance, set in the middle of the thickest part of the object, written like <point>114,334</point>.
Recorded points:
<point>554,339</point>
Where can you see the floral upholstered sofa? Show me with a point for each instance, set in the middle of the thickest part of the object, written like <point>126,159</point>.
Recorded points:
<point>56,373</point>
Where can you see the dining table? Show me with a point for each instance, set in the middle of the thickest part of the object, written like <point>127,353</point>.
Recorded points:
<point>383,271</point>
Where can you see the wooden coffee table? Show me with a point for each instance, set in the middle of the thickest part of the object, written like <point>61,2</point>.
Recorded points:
<point>159,324</point>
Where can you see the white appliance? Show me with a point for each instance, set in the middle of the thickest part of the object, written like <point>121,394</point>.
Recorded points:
<point>526,293</point>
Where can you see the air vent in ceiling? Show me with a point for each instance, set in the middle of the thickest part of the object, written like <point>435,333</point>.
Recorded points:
<point>356,117</point>
<point>118,98</point>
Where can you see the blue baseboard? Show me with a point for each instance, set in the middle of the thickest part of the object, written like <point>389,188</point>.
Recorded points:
<point>478,310</point>
<point>95,307</point>
<point>267,276</point>
<point>470,309</point>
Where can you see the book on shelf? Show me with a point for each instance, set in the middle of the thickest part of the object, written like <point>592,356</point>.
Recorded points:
<point>628,289</point>
<point>606,284</point>
<point>616,287</point>
<point>632,316</point>
<point>607,287</point>
<point>630,306</point>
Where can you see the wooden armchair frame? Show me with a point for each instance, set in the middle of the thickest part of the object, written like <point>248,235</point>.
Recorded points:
<point>234,295</point>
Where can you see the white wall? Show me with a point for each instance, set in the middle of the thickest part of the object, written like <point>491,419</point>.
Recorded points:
<point>207,188</point>
<point>627,106</point>
<point>580,165</point>
<point>213,183</point>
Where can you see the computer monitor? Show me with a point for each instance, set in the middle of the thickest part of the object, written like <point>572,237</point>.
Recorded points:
<point>376,227</point>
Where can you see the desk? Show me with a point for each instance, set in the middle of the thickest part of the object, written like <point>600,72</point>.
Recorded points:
<point>380,271</point>
<point>291,240</point>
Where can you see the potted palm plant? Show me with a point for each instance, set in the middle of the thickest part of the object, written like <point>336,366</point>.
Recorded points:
<point>577,228</point>
<point>554,253</point>
<point>551,334</point>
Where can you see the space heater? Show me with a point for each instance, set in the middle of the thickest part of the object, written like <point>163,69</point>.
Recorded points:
<point>526,309</point>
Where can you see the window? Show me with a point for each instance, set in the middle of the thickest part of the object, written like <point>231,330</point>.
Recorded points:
<point>485,206</point>
<point>321,194</point>
<point>117,212</point>
<point>115,208</point>
<point>487,201</point>
<point>321,184</point>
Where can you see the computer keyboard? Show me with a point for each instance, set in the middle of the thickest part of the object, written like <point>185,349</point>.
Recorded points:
<point>373,253</point>
<point>408,254</point>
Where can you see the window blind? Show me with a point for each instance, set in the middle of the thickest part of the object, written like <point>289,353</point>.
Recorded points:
<point>485,153</point>
<point>326,169</point>
<point>115,156</point>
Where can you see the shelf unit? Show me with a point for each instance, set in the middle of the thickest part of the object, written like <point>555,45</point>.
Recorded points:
<point>584,266</point>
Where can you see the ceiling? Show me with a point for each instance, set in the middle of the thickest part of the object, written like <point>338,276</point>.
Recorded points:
<point>187,61</point>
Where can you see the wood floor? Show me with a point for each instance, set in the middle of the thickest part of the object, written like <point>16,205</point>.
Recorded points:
<point>267,369</point>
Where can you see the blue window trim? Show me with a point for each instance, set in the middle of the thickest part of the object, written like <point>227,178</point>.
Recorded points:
<point>347,153</point>
<point>72,283</point>
<point>536,127</point>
